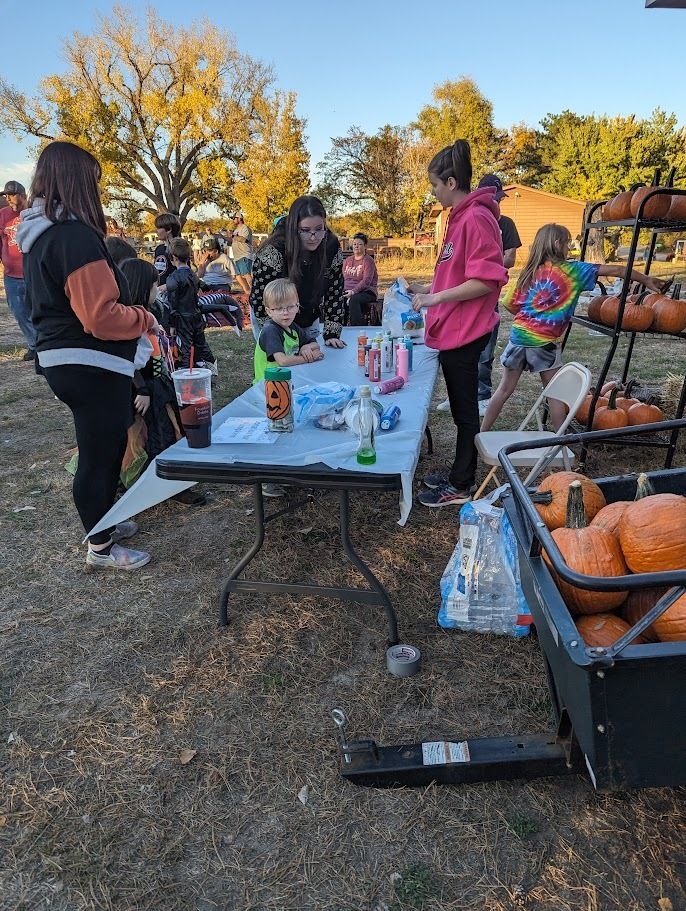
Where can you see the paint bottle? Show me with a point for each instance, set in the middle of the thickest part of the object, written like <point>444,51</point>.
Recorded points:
<point>403,362</point>
<point>386,356</point>
<point>375,363</point>
<point>392,385</point>
<point>409,344</point>
<point>390,417</point>
<point>367,349</point>
<point>361,342</point>
<point>389,339</point>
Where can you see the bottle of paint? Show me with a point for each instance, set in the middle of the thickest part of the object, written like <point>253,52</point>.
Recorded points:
<point>389,339</point>
<point>367,349</point>
<point>386,356</point>
<point>403,362</point>
<point>361,342</point>
<point>375,363</point>
<point>392,385</point>
<point>409,344</point>
<point>390,417</point>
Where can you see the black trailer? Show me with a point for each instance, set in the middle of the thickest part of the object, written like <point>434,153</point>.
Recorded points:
<point>620,711</point>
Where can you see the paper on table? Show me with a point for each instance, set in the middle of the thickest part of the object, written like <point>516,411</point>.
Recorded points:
<point>244,430</point>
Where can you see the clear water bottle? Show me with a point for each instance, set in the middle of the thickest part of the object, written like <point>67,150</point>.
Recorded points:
<point>366,453</point>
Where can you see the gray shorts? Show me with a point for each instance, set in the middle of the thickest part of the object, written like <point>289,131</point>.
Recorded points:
<point>536,359</point>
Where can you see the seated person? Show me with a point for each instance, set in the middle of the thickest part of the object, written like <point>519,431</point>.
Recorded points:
<point>282,343</point>
<point>360,282</point>
<point>213,265</point>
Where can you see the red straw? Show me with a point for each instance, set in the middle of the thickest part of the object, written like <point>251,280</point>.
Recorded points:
<point>192,357</point>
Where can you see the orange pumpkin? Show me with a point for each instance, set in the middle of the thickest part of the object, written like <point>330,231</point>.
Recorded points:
<point>677,209</point>
<point>551,497</point>
<point>636,317</point>
<point>625,401</point>
<point>652,533</point>
<point>593,309</point>
<point>645,412</point>
<point>604,630</point>
<point>669,315</point>
<point>278,396</point>
<point>584,408</point>
<point>608,517</point>
<point>656,208</point>
<point>609,417</point>
<point>671,626</point>
<point>637,606</point>
<point>607,388</point>
<point>652,299</point>
<point>588,550</point>
<point>620,206</point>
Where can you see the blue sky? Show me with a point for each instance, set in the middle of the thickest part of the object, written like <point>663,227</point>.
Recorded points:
<point>375,63</point>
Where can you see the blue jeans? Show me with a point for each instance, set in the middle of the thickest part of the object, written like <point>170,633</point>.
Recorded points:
<point>486,365</point>
<point>15,291</point>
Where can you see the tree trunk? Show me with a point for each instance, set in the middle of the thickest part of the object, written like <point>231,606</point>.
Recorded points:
<point>595,249</point>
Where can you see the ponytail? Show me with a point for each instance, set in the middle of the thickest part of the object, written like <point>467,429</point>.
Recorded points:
<point>454,161</point>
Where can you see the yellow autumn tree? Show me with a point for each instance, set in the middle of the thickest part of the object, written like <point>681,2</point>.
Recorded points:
<point>275,170</point>
<point>169,110</point>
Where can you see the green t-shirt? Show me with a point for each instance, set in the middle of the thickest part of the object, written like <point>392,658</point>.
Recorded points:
<point>275,338</point>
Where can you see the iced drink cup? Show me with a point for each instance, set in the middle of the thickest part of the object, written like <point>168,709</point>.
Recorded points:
<point>194,395</point>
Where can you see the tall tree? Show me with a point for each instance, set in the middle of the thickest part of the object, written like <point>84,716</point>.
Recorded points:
<point>275,172</point>
<point>169,110</point>
<point>369,171</point>
<point>460,111</point>
<point>520,159</point>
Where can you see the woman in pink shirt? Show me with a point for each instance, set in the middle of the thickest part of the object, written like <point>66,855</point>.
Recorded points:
<point>461,308</point>
<point>360,281</point>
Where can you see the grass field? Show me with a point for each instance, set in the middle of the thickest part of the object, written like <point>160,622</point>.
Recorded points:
<point>151,762</point>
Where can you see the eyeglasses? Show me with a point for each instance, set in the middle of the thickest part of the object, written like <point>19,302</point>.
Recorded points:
<point>291,308</point>
<point>307,232</point>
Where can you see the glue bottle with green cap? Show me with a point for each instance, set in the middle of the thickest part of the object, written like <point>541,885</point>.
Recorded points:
<point>366,453</point>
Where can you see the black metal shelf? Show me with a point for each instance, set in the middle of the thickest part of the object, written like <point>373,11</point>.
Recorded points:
<point>655,440</point>
<point>614,333</point>
<point>609,330</point>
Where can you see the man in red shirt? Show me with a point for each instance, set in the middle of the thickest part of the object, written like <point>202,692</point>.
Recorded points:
<point>15,289</point>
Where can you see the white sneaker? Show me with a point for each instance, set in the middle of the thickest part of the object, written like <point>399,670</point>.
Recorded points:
<point>443,406</point>
<point>211,366</point>
<point>483,406</point>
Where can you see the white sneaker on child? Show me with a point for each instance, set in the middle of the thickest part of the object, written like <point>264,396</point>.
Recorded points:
<point>443,406</point>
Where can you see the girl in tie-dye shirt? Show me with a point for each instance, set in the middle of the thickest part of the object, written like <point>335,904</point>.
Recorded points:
<point>543,303</point>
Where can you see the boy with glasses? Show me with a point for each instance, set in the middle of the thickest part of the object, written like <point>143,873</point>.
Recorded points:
<point>282,343</point>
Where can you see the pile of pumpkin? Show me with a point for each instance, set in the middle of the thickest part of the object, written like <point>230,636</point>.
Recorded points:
<point>616,407</point>
<point>642,312</point>
<point>661,207</point>
<point>595,538</point>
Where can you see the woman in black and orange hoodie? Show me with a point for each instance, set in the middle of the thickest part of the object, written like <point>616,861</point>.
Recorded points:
<point>86,332</point>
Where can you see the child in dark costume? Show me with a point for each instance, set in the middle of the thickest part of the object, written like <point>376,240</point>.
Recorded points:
<point>185,316</point>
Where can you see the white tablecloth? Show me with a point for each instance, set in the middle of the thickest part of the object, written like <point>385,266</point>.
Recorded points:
<point>397,451</point>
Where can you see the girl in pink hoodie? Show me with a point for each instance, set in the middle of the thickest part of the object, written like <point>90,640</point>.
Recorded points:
<point>461,308</point>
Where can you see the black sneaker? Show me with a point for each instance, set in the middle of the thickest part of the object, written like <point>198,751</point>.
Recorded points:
<point>30,355</point>
<point>437,479</point>
<point>447,495</point>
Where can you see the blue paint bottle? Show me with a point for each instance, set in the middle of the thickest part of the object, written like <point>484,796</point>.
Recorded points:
<point>390,418</point>
<point>409,344</point>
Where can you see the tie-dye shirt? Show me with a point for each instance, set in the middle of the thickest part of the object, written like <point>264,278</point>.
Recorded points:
<point>543,310</point>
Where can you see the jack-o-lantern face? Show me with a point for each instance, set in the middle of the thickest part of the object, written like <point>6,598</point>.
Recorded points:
<point>278,395</point>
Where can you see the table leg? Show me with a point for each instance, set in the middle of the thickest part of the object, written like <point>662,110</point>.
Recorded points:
<point>375,595</point>
<point>246,558</point>
<point>364,570</point>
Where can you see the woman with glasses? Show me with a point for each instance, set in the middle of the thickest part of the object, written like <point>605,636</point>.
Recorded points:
<point>302,249</point>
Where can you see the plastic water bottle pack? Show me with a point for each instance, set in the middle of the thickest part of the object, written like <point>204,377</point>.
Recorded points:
<point>480,588</point>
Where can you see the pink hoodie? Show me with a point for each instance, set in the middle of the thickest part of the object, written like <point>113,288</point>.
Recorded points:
<point>472,249</point>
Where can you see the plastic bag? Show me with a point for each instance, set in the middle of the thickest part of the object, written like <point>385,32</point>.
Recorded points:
<point>481,589</point>
<point>313,402</point>
<point>398,316</point>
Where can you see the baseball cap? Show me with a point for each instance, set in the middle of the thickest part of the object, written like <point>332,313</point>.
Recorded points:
<point>492,180</point>
<point>14,188</point>
<point>211,243</point>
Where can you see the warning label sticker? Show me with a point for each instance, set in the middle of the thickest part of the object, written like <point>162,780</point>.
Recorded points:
<point>443,752</point>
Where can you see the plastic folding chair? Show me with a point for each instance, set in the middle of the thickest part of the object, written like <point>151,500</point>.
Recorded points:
<point>569,385</point>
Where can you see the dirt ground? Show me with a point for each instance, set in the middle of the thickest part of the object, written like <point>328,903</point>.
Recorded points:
<point>151,762</point>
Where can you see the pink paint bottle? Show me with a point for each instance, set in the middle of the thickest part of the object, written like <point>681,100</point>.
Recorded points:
<point>390,385</point>
<point>403,368</point>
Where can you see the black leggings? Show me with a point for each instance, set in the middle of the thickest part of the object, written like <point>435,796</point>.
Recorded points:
<point>461,371</point>
<point>101,404</point>
<point>359,304</point>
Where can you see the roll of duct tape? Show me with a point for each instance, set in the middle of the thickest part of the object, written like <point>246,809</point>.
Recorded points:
<point>403,660</point>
